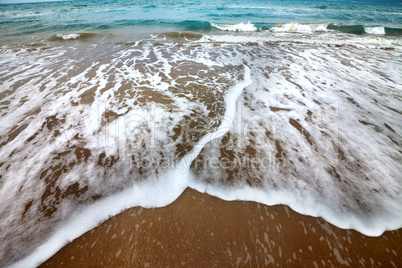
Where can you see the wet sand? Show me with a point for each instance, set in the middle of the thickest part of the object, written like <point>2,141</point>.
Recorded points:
<point>199,230</point>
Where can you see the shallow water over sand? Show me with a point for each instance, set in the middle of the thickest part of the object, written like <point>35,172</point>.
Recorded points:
<point>93,128</point>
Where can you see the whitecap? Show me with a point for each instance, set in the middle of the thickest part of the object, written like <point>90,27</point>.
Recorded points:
<point>68,36</point>
<point>300,28</point>
<point>380,30</point>
<point>240,27</point>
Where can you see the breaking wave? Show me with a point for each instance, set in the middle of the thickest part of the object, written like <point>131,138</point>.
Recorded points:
<point>240,27</point>
<point>379,30</point>
<point>72,36</point>
<point>300,28</point>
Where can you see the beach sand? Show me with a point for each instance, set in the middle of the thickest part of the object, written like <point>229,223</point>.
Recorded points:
<point>199,230</point>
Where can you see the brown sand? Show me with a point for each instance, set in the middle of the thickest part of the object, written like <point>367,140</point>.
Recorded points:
<point>199,230</point>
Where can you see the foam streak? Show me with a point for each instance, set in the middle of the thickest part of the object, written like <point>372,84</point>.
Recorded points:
<point>159,192</point>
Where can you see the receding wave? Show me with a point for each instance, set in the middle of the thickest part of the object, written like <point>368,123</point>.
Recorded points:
<point>227,102</point>
<point>112,132</point>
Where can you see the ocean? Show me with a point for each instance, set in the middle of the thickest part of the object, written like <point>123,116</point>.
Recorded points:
<point>107,105</point>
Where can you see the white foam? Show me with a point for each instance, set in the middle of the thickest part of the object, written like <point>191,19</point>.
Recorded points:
<point>378,30</point>
<point>240,27</point>
<point>307,75</point>
<point>68,36</point>
<point>161,192</point>
<point>300,28</point>
<point>299,87</point>
<point>158,191</point>
<point>289,37</point>
<point>305,205</point>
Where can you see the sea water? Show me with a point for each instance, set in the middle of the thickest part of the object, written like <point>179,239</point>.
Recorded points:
<point>106,105</point>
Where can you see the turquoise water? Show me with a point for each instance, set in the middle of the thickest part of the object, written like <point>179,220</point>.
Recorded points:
<point>197,16</point>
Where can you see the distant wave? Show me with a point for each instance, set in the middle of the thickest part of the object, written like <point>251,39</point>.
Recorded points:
<point>181,35</point>
<point>240,27</point>
<point>68,36</point>
<point>361,29</point>
<point>380,30</point>
<point>150,6</point>
<point>300,28</point>
<point>292,27</point>
<point>358,29</point>
<point>204,27</point>
<point>328,38</point>
<point>353,29</point>
<point>195,25</point>
<point>71,36</point>
<point>321,7</point>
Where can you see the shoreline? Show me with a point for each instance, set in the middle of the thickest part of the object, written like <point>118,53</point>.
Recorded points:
<point>201,230</point>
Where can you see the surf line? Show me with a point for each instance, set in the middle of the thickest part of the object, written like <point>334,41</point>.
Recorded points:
<point>178,178</point>
<point>228,118</point>
<point>158,192</point>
